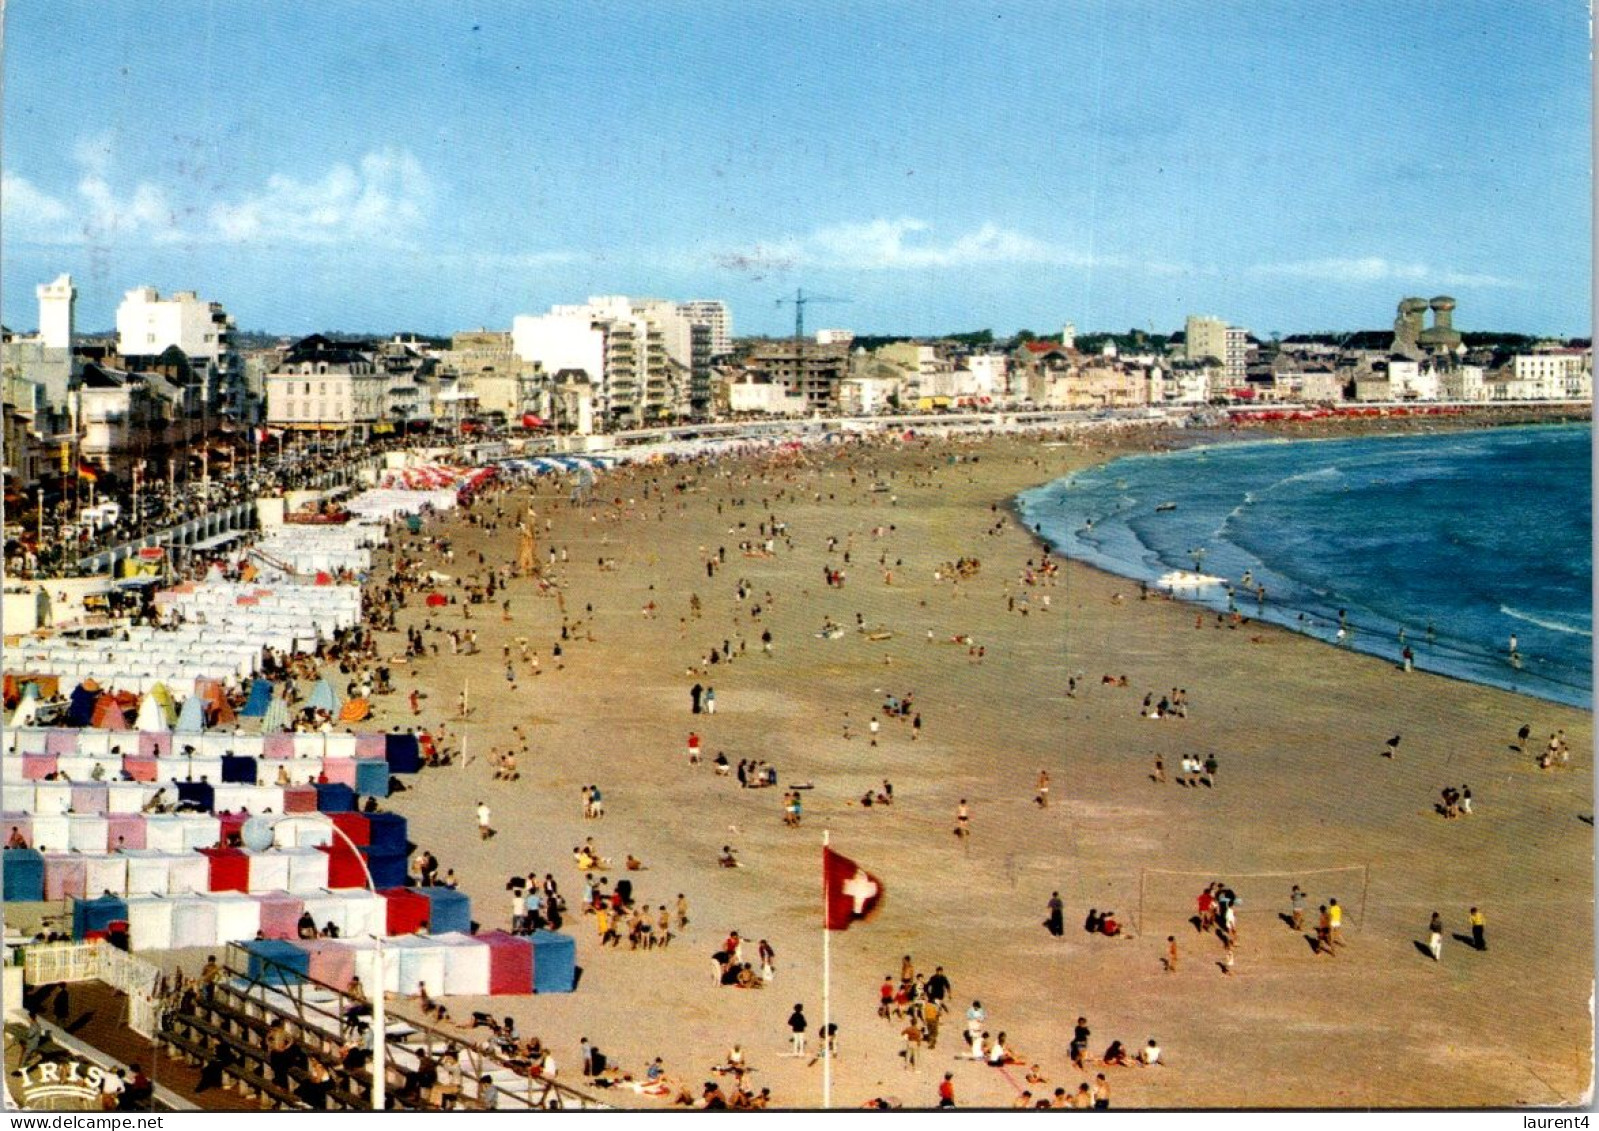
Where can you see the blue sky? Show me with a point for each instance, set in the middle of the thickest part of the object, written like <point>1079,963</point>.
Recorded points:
<point>945,166</point>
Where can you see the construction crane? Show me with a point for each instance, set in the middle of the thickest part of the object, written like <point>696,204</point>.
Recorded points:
<point>799,300</point>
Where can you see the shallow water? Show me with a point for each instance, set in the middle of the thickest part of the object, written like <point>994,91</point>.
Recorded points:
<point>1450,543</point>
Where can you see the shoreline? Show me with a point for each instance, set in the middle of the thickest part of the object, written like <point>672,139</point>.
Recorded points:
<point>1282,715</point>
<point>1580,698</point>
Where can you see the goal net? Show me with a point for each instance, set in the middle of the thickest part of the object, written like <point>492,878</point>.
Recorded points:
<point>1169,898</point>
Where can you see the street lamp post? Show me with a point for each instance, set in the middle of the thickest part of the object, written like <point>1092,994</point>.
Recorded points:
<point>257,834</point>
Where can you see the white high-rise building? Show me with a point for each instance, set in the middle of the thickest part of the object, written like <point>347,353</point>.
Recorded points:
<point>56,302</point>
<point>712,312</point>
<point>1211,337</point>
<point>646,361</point>
<point>147,324</point>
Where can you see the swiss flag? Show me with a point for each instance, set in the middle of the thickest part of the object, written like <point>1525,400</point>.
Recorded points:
<point>850,892</point>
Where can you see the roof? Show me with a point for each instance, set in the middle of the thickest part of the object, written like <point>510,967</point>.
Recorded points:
<point>96,376</point>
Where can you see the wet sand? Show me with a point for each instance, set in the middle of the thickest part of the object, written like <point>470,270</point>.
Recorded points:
<point>1297,728</point>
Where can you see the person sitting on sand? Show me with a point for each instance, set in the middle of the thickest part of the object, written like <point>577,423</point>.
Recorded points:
<point>1034,1076</point>
<point>1117,1055</point>
<point>1092,922</point>
<point>1000,1054</point>
<point>634,864</point>
<point>728,859</point>
<point>1108,926</point>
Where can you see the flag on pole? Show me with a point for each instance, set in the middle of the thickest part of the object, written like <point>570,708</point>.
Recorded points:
<point>851,892</point>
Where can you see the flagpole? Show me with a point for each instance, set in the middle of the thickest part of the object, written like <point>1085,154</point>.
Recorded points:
<point>827,986</point>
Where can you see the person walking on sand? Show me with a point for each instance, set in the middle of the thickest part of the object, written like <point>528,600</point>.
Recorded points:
<point>1324,933</point>
<point>1435,936</point>
<point>1478,926</point>
<point>962,820</point>
<point>1043,789</point>
<point>946,1091</point>
<point>796,1028</point>
<point>1335,923</point>
<point>1296,904</point>
<point>1171,954</point>
<point>484,828</point>
<point>1056,923</point>
<point>913,1045</point>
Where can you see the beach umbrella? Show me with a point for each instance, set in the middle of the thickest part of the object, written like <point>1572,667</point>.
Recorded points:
<point>191,720</point>
<point>151,717</point>
<point>324,698</point>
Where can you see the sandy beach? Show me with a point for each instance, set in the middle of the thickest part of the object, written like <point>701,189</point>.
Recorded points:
<point>1296,726</point>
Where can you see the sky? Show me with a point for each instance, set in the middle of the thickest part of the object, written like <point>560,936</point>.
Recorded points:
<point>936,167</point>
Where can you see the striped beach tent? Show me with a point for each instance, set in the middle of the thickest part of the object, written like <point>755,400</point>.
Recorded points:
<point>276,718</point>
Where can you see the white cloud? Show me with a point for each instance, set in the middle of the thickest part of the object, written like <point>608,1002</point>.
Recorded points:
<point>385,199</point>
<point>94,212</point>
<point>31,213</point>
<point>910,244</point>
<point>1375,269</point>
<point>143,212</point>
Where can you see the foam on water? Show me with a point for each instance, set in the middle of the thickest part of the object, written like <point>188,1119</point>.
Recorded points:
<point>1449,544</point>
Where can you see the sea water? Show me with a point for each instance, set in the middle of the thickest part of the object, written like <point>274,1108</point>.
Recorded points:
<point>1449,543</point>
